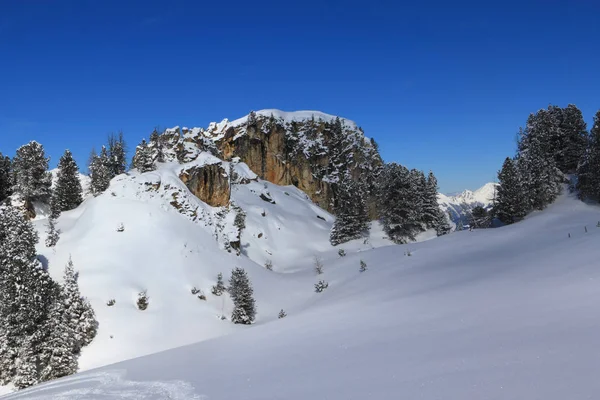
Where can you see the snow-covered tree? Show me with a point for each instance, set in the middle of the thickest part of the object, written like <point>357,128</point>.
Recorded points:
<point>352,220</point>
<point>540,176</point>
<point>6,182</point>
<point>242,294</point>
<point>67,193</point>
<point>31,177</point>
<point>282,314</point>
<point>78,310</point>
<point>142,160</point>
<point>510,199</point>
<point>100,174</point>
<point>480,218</point>
<point>52,234</point>
<point>589,170</point>
<point>26,293</point>
<point>399,202</point>
<point>117,154</point>
<point>363,266</point>
<point>156,147</point>
<point>219,288</point>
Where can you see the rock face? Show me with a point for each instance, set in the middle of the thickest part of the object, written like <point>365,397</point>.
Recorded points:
<point>210,183</point>
<point>308,149</point>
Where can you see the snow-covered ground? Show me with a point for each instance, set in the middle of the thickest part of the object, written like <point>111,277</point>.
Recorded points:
<point>507,313</point>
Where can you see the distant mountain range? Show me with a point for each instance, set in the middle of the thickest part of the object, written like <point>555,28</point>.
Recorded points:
<point>459,205</point>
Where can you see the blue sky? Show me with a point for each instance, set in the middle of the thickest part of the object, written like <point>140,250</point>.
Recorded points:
<point>440,85</point>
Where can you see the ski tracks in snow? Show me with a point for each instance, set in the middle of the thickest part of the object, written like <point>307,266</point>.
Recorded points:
<point>109,385</point>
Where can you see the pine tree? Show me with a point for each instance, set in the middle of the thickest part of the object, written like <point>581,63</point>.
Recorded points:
<point>100,174</point>
<point>5,178</point>
<point>589,171</point>
<point>510,205</point>
<point>352,220</point>
<point>26,292</point>
<point>79,312</point>
<point>156,147</point>
<point>242,293</point>
<point>363,266</point>
<point>67,194</point>
<point>573,129</point>
<point>480,218</point>
<point>282,314</point>
<point>541,177</point>
<point>142,160</point>
<point>30,169</point>
<point>58,355</point>
<point>219,288</point>
<point>399,202</point>
<point>117,154</point>
<point>52,234</point>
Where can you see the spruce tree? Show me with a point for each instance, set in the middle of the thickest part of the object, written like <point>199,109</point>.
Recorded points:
<point>241,292</point>
<point>117,154</point>
<point>589,171</point>
<point>510,199</point>
<point>142,160</point>
<point>399,202</point>
<point>25,298</point>
<point>100,174</point>
<point>67,194</point>
<point>156,147</point>
<point>219,288</point>
<point>52,234</point>
<point>352,221</point>
<point>78,311</point>
<point>573,129</point>
<point>5,177</point>
<point>30,169</point>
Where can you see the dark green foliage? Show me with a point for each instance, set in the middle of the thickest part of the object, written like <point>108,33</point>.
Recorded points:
<point>589,170</point>
<point>242,294</point>
<point>52,234</point>
<point>480,218</point>
<point>399,202</point>
<point>510,200</point>
<point>6,181</point>
<point>31,177</point>
<point>100,173</point>
<point>117,155</point>
<point>67,193</point>
<point>350,208</point>
<point>143,160</point>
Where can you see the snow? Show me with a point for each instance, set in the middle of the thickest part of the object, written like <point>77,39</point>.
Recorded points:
<point>460,205</point>
<point>506,313</point>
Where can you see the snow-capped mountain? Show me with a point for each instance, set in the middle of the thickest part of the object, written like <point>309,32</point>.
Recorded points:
<point>459,206</point>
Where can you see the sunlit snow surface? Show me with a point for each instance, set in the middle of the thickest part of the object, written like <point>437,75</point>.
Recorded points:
<point>507,313</point>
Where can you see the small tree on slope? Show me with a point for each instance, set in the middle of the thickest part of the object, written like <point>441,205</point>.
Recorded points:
<point>100,174</point>
<point>79,312</point>
<point>241,292</point>
<point>67,193</point>
<point>52,233</point>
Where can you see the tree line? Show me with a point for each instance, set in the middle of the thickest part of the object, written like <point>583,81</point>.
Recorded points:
<point>553,146</point>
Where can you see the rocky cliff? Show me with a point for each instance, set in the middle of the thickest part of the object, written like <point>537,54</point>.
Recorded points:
<point>307,149</point>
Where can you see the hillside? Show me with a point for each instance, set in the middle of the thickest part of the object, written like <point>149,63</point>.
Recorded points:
<point>498,314</point>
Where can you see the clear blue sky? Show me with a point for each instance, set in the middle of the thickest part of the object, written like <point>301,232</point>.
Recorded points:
<point>440,85</point>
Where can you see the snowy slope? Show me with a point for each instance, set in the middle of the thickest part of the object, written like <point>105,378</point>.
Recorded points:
<point>168,250</point>
<point>507,313</point>
<point>460,205</point>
